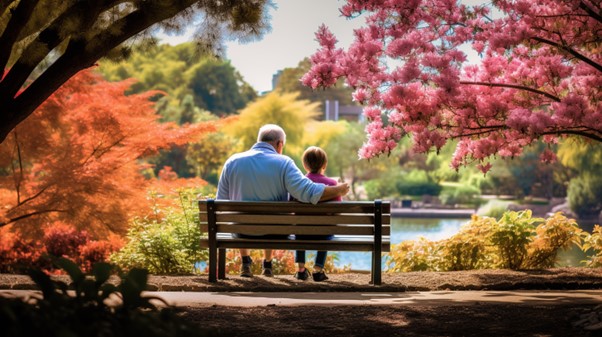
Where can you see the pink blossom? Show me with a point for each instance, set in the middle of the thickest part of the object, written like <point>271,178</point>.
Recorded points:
<point>523,88</point>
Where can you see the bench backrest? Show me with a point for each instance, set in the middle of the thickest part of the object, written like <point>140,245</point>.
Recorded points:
<point>268,217</point>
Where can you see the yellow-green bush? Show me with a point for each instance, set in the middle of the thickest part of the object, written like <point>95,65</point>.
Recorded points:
<point>516,241</point>
<point>413,255</point>
<point>593,242</point>
<point>468,248</point>
<point>555,234</point>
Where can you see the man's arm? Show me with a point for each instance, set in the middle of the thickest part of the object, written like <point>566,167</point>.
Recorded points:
<point>331,192</point>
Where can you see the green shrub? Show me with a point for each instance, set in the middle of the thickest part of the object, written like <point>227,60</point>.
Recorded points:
<point>512,242</point>
<point>413,255</point>
<point>469,248</point>
<point>494,208</point>
<point>460,195</point>
<point>416,183</point>
<point>416,188</point>
<point>383,187</point>
<point>511,235</point>
<point>555,234</point>
<point>585,195</point>
<point>167,243</point>
<point>593,242</point>
<point>86,312</point>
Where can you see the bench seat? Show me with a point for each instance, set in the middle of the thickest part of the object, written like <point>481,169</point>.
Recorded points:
<point>362,226</point>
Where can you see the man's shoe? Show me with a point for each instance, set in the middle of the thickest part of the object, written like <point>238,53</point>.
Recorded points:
<point>302,275</point>
<point>245,271</point>
<point>320,276</point>
<point>267,269</point>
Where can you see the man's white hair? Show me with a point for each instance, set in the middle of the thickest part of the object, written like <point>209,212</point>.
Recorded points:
<point>271,133</point>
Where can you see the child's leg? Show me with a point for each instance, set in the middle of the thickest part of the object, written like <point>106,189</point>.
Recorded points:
<point>320,261</point>
<point>300,259</point>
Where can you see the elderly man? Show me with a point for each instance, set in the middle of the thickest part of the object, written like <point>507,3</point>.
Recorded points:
<point>263,173</point>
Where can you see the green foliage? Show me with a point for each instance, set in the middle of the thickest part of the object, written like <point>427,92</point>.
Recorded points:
<point>593,243</point>
<point>511,234</point>
<point>384,187</point>
<point>527,175</point>
<point>556,233</point>
<point>218,87</point>
<point>460,195</point>
<point>469,248</point>
<point>494,208</point>
<point>343,159</point>
<point>187,76</point>
<point>417,183</point>
<point>413,255</point>
<point>585,194</point>
<point>209,154</point>
<point>284,109</point>
<point>166,243</point>
<point>87,312</point>
<point>512,242</point>
<point>289,81</point>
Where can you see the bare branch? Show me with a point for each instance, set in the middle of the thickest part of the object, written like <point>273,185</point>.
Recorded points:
<point>590,11</point>
<point>25,216</point>
<point>513,86</point>
<point>571,51</point>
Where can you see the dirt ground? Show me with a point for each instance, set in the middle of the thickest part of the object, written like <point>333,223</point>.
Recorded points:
<point>476,319</point>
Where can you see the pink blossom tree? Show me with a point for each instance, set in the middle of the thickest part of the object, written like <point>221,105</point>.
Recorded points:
<point>539,75</point>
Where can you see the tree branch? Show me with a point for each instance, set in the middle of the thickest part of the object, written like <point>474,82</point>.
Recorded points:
<point>513,86</point>
<point>4,5</point>
<point>571,51</point>
<point>81,54</point>
<point>590,12</point>
<point>18,20</point>
<point>577,133</point>
<point>25,216</point>
<point>20,175</point>
<point>46,41</point>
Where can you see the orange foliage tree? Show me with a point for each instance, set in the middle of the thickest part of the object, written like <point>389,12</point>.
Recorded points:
<point>83,167</point>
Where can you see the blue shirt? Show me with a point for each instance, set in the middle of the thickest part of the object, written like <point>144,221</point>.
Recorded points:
<point>262,174</point>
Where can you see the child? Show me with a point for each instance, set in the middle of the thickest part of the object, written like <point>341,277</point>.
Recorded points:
<point>314,162</point>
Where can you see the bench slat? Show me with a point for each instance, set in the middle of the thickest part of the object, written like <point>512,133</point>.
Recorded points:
<point>298,229</point>
<point>297,207</point>
<point>336,244</point>
<point>294,219</point>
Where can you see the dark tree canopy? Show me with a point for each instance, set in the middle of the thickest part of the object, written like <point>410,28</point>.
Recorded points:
<point>43,43</point>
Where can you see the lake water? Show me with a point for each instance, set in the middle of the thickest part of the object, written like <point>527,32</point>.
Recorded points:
<point>435,229</point>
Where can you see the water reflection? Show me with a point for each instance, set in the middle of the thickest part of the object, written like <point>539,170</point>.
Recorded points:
<point>404,229</point>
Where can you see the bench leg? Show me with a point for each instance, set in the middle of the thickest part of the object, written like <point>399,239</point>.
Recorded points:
<point>376,268</point>
<point>212,264</point>
<point>221,271</point>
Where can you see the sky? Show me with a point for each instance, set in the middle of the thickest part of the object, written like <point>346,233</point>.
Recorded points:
<point>292,38</point>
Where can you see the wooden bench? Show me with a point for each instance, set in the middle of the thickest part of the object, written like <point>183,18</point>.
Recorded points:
<point>357,226</point>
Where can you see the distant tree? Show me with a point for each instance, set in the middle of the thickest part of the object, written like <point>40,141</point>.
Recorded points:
<point>284,109</point>
<point>83,167</point>
<point>181,71</point>
<point>217,87</point>
<point>206,156</point>
<point>43,43</point>
<point>585,188</point>
<point>539,77</point>
<point>342,158</point>
<point>290,81</point>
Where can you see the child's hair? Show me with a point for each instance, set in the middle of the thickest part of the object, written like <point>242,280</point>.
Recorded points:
<point>314,159</point>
